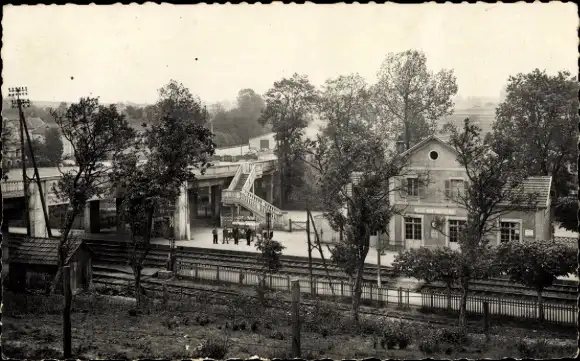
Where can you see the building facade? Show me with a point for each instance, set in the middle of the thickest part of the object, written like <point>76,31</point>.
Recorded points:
<point>431,218</point>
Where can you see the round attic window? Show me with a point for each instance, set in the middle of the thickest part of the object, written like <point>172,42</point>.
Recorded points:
<point>433,155</point>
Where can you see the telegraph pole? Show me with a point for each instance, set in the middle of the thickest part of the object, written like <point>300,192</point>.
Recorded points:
<point>19,103</point>
<point>18,92</point>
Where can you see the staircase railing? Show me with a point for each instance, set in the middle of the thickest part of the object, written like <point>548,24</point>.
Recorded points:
<point>255,204</point>
<point>236,179</point>
<point>250,180</point>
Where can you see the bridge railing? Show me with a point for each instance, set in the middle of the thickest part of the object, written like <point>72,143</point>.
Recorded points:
<point>12,186</point>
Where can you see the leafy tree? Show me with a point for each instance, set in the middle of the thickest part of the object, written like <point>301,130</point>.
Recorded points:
<point>289,105</point>
<point>270,252</point>
<point>566,211</point>
<point>412,95</point>
<point>53,146</point>
<point>539,116</point>
<point>431,265</point>
<point>94,131</point>
<point>173,147</point>
<point>38,148</point>
<point>494,188</point>
<point>355,165</point>
<point>8,139</point>
<point>177,102</point>
<point>536,264</point>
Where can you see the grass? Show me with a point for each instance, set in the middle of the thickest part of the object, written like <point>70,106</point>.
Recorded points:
<point>227,327</point>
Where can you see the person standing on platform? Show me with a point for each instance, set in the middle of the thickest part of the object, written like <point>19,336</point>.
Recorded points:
<point>236,235</point>
<point>215,235</point>
<point>225,238</point>
<point>248,235</point>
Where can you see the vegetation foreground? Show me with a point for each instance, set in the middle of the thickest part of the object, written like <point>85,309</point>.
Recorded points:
<point>224,327</point>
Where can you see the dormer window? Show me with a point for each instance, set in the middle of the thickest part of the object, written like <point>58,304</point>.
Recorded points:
<point>433,155</point>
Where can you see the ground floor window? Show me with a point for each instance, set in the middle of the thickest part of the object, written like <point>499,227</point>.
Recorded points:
<point>454,229</point>
<point>413,228</point>
<point>509,231</point>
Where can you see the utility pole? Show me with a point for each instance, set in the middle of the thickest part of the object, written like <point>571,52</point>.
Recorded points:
<point>17,93</point>
<point>18,103</point>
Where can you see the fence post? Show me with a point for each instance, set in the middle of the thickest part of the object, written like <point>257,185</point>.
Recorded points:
<point>431,299</point>
<point>341,288</point>
<point>241,276</point>
<point>288,281</point>
<point>217,274</point>
<point>196,272</point>
<point>270,280</point>
<point>295,318</point>
<point>400,296</point>
<point>387,296</point>
<point>371,292</point>
<point>290,224</point>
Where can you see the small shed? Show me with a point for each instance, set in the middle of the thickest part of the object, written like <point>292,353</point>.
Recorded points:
<point>34,263</point>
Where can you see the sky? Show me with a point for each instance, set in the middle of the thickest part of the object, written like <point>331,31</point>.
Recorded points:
<point>125,53</point>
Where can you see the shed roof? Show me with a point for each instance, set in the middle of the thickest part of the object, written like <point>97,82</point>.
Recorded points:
<point>39,251</point>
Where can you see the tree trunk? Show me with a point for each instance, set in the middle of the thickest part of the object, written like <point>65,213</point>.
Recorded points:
<point>540,305</point>
<point>137,274</point>
<point>463,306</point>
<point>357,291</point>
<point>66,322</point>
<point>61,256</point>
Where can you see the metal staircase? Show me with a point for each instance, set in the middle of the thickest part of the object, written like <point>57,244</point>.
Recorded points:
<point>240,193</point>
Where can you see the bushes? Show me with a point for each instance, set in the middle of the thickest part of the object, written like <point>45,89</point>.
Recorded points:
<point>445,340</point>
<point>542,349</point>
<point>211,349</point>
<point>395,334</point>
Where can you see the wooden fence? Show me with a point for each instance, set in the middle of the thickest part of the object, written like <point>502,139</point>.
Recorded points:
<point>564,314</point>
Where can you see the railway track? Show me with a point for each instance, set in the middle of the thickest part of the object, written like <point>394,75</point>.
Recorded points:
<point>112,252</point>
<point>116,252</point>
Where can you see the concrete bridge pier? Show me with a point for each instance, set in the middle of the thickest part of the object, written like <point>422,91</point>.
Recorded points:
<point>92,218</point>
<point>270,189</point>
<point>181,216</point>
<point>193,199</point>
<point>215,200</point>
<point>35,213</point>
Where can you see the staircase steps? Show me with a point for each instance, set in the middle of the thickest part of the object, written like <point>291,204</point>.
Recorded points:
<point>241,182</point>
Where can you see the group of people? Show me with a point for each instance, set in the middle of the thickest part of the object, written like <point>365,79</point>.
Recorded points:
<point>235,233</point>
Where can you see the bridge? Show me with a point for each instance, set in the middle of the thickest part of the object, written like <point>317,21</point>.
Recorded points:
<point>233,189</point>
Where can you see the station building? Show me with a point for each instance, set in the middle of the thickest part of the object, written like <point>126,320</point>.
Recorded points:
<point>430,218</point>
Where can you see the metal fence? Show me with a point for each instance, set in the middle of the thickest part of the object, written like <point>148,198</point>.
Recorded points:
<point>373,295</point>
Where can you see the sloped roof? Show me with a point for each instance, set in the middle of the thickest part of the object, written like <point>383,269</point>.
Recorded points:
<point>540,185</point>
<point>38,251</point>
<point>422,143</point>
